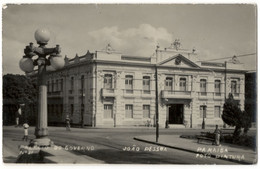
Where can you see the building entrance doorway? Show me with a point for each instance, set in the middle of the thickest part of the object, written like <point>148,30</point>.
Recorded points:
<point>175,114</point>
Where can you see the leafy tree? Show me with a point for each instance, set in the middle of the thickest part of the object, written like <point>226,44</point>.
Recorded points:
<point>233,116</point>
<point>19,89</point>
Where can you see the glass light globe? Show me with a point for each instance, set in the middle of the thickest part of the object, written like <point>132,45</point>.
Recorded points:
<point>26,65</point>
<point>42,35</point>
<point>57,62</point>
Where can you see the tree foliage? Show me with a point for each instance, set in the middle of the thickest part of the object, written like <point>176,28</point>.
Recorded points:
<point>18,89</point>
<point>231,112</point>
<point>233,116</point>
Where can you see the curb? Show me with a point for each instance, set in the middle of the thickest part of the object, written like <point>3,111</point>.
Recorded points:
<point>191,151</point>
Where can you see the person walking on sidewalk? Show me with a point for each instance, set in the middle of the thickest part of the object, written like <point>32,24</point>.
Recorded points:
<point>18,115</point>
<point>25,127</point>
<point>67,120</point>
<point>217,136</point>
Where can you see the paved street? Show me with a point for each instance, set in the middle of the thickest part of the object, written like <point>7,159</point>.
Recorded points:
<point>113,145</point>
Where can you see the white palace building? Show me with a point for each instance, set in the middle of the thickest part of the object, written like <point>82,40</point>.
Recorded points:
<point>109,89</point>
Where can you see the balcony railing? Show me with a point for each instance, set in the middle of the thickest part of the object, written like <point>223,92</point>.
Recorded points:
<point>55,94</point>
<point>108,92</point>
<point>176,94</point>
<point>138,93</point>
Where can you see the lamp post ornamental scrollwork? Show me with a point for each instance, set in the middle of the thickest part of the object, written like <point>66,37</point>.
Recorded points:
<point>49,58</point>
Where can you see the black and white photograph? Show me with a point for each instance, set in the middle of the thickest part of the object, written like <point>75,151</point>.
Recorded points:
<point>93,83</point>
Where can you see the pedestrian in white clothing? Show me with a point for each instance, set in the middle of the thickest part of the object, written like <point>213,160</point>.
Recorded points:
<point>25,127</point>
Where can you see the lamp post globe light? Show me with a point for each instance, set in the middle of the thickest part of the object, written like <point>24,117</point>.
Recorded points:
<point>47,59</point>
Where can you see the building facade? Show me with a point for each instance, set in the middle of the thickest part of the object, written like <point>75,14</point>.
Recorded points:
<point>107,88</point>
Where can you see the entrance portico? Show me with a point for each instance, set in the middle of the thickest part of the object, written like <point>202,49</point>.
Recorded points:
<point>175,114</point>
<point>178,112</point>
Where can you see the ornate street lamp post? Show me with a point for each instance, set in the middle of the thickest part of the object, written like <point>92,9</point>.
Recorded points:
<point>47,57</point>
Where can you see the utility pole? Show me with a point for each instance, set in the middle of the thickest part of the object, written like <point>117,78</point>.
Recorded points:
<point>225,92</point>
<point>225,80</point>
<point>82,101</point>
<point>156,102</point>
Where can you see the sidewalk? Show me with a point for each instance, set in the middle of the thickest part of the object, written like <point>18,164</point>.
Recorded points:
<point>53,154</point>
<point>14,147</point>
<point>228,152</point>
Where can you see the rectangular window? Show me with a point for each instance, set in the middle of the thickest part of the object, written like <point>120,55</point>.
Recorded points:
<point>129,111</point>
<point>52,85</point>
<point>146,84</point>
<point>203,111</point>
<point>203,86</point>
<point>48,86</point>
<point>182,84</point>
<point>129,83</point>
<point>61,109</point>
<point>217,111</point>
<point>108,111</point>
<point>71,83</point>
<point>48,109</point>
<point>61,84</point>
<point>57,85</point>
<point>168,83</point>
<point>71,109</point>
<point>57,110</point>
<point>82,82</point>
<point>235,88</point>
<point>146,111</point>
<point>217,87</point>
<point>108,81</point>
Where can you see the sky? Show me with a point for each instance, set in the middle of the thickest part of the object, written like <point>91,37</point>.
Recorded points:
<point>216,31</point>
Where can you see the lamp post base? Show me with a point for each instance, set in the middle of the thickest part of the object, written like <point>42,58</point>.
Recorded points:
<point>42,142</point>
